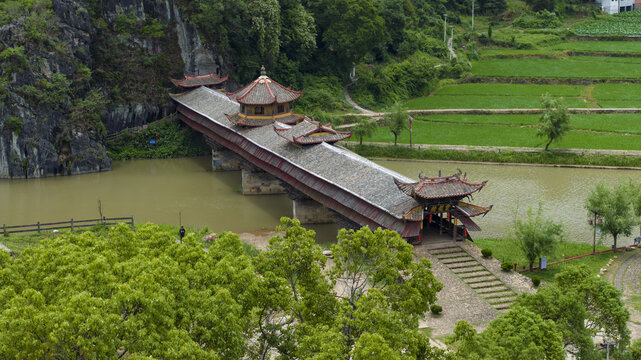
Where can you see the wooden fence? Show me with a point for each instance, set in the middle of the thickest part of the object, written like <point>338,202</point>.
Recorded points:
<point>71,224</point>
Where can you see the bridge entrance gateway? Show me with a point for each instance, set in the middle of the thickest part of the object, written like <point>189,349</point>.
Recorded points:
<point>256,130</point>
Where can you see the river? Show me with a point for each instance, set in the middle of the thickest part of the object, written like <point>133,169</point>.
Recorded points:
<point>169,191</point>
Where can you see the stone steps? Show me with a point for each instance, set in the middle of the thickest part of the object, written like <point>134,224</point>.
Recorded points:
<point>477,279</point>
<point>484,283</point>
<point>462,264</point>
<point>457,260</point>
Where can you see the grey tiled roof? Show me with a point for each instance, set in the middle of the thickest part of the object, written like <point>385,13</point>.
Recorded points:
<point>310,132</point>
<point>439,188</point>
<point>263,91</point>
<point>199,80</point>
<point>353,173</point>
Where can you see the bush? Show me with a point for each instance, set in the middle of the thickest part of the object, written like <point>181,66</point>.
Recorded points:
<point>436,309</point>
<point>14,124</point>
<point>536,280</point>
<point>540,20</point>
<point>506,266</point>
<point>487,253</point>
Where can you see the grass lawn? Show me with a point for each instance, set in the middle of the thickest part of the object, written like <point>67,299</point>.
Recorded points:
<point>506,250</point>
<point>598,46</point>
<point>619,123</point>
<point>588,67</point>
<point>496,135</point>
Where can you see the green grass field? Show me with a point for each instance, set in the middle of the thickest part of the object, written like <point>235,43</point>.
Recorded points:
<point>632,47</point>
<point>504,96</point>
<point>617,123</point>
<point>496,96</point>
<point>498,52</point>
<point>504,135</point>
<point>587,67</point>
<point>506,250</point>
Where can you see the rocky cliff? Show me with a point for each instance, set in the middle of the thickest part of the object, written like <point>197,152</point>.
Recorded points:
<point>70,73</point>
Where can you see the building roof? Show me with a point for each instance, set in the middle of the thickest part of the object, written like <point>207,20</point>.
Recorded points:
<point>199,80</point>
<point>264,91</point>
<point>240,119</point>
<point>439,187</point>
<point>309,132</point>
<point>472,210</point>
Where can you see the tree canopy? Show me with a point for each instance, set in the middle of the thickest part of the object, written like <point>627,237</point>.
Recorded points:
<point>614,206</point>
<point>144,295</point>
<point>537,235</point>
<point>554,123</point>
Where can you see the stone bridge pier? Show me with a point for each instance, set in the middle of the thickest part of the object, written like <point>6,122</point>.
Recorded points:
<point>258,182</point>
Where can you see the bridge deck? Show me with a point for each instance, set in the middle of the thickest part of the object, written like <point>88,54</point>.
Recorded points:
<point>347,183</point>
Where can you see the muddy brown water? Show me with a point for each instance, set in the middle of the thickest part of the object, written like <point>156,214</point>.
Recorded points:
<point>159,190</point>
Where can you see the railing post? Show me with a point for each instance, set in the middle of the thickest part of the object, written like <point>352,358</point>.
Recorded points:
<point>132,223</point>
<point>4,230</point>
<point>38,226</point>
<point>71,224</point>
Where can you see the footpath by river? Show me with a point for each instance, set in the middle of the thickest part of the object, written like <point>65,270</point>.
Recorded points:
<point>159,190</point>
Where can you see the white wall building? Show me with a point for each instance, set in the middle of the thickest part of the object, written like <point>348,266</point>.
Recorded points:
<point>616,6</point>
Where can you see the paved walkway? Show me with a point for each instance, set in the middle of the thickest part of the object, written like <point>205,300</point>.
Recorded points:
<point>353,103</point>
<point>474,288</point>
<point>626,279</point>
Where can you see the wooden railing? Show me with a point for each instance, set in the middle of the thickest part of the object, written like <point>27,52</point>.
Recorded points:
<point>71,224</point>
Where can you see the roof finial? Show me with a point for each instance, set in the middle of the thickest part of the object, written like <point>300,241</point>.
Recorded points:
<point>262,71</point>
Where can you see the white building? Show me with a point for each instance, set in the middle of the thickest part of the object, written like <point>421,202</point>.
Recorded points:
<point>616,6</point>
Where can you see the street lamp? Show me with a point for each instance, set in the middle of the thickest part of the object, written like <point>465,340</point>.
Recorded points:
<point>445,29</point>
<point>597,221</point>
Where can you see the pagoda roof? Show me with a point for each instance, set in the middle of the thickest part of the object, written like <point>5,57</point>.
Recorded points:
<point>241,119</point>
<point>472,210</point>
<point>439,187</point>
<point>191,81</point>
<point>264,91</point>
<point>309,132</point>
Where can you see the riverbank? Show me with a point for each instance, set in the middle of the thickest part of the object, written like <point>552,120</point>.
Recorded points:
<point>497,156</point>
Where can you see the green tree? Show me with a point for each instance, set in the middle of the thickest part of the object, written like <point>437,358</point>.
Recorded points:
<point>396,120</point>
<point>554,123</point>
<point>567,309</point>
<point>364,128</point>
<point>635,190</point>
<point>517,334</point>
<point>606,312</point>
<point>536,235</point>
<point>614,206</point>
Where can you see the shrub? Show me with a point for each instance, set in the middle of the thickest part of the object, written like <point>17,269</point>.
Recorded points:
<point>487,253</point>
<point>536,280</point>
<point>539,20</point>
<point>436,309</point>
<point>14,124</point>
<point>506,266</point>
<point>14,59</point>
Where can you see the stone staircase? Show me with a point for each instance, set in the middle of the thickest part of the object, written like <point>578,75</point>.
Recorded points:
<point>487,285</point>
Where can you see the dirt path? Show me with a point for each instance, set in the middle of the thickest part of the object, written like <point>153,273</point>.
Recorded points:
<point>512,111</point>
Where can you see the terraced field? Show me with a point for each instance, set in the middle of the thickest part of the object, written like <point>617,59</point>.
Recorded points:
<point>621,132</point>
<point>584,67</point>
<point>528,96</point>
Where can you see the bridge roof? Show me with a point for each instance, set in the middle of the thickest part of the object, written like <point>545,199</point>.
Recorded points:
<point>333,164</point>
<point>199,80</point>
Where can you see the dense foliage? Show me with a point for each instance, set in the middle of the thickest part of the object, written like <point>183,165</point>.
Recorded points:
<point>146,295</point>
<point>172,140</point>
<point>625,23</point>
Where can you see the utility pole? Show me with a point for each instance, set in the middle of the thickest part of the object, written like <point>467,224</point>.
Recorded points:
<point>445,29</point>
<point>472,15</point>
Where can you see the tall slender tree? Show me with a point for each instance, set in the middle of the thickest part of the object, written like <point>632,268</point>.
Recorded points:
<point>554,123</point>
<point>396,120</point>
<point>614,206</point>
